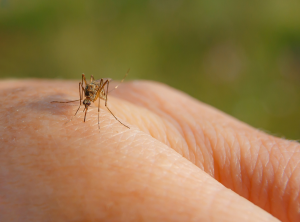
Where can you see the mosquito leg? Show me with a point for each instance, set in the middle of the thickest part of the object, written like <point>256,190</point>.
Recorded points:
<point>83,79</point>
<point>82,92</point>
<point>85,115</point>
<point>98,94</point>
<point>99,113</point>
<point>107,83</point>
<point>77,111</point>
<point>80,98</point>
<point>117,118</point>
<point>74,115</point>
<point>71,101</point>
<point>92,78</point>
<point>80,88</point>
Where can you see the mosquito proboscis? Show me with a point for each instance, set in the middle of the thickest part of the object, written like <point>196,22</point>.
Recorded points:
<point>90,92</point>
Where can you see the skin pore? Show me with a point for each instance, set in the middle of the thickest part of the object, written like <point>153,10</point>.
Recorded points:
<point>181,160</point>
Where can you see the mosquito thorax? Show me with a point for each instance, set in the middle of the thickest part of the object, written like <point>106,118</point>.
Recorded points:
<point>91,90</point>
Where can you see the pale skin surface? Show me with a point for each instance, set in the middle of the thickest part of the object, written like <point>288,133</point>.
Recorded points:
<point>175,163</point>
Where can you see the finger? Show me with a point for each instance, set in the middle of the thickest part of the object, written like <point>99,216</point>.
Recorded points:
<point>73,173</point>
<point>260,167</point>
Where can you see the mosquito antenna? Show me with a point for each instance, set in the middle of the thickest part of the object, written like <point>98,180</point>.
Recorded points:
<point>120,82</point>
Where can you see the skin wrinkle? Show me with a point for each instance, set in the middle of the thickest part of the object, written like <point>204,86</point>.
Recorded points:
<point>263,173</point>
<point>245,153</point>
<point>201,147</point>
<point>152,133</point>
<point>157,132</point>
<point>265,177</point>
<point>164,137</point>
<point>270,178</point>
<point>140,119</point>
<point>292,201</point>
<point>228,183</point>
<point>191,138</point>
<point>233,163</point>
<point>287,169</point>
<point>298,189</point>
<point>274,167</point>
<point>217,164</point>
<point>169,132</point>
<point>276,195</point>
<point>220,146</point>
<point>198,152</point>
<point>239,178</point>
<point>284,176</point>
<point>286,193</point>
<point>256,161</point>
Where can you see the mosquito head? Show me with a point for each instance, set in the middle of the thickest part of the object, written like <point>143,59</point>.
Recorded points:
<point>86,103</point>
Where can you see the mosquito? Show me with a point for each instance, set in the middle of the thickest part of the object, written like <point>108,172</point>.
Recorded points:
<point>91,92</point>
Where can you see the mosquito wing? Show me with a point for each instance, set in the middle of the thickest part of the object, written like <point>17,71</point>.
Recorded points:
<point>104,79</point>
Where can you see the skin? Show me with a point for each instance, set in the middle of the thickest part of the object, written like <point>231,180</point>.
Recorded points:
<point>181,160</point>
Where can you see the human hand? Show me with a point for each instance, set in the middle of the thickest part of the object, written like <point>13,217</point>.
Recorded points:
<point>173,164</point>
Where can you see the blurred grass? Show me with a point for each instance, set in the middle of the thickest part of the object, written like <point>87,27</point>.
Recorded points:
<point>241,57</point>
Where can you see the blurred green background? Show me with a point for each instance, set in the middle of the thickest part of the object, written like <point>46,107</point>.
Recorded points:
<point>242,57</point>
